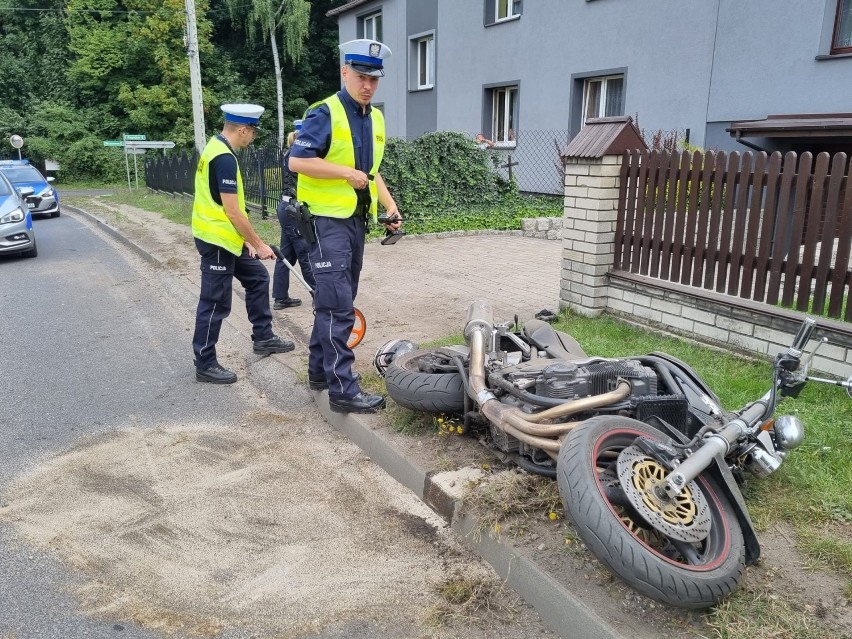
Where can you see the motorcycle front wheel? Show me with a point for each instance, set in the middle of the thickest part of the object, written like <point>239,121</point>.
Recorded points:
<point>686,574</point>
<point>413,382</point>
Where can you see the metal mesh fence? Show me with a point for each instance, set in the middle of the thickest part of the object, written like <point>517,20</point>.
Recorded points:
<point>533,160</point>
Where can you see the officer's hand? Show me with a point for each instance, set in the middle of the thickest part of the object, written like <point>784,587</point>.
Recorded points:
<point>357,179</point>
<point>264,252</point>
<point>251,251</point>
<point>393,220</point>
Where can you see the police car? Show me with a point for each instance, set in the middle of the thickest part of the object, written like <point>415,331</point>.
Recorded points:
<point>44,200</point>
<point>16,221</point>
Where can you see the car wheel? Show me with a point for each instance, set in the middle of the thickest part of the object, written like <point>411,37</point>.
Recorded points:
<point>33,252</point>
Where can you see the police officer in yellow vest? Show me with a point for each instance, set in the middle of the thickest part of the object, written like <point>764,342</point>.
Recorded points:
<point>229,247</point>
<point>337,156</point>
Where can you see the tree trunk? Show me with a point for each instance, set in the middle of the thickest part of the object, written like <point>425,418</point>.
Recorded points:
<point>279,89</point>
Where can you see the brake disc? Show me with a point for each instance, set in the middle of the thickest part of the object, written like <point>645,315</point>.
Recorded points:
<point>686,517</point>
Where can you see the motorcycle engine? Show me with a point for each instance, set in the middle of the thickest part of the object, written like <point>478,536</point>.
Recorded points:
<point>567,380</point>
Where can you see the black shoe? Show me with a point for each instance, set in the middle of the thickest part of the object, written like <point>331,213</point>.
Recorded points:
<point>215,375</point>
<point>273,345</point>
<point>319,383</point>
<point>287,302</point>
<point>361,403</point>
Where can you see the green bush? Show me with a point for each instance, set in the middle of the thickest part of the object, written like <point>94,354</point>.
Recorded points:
<point>439,173</point>
<point>89,159</point>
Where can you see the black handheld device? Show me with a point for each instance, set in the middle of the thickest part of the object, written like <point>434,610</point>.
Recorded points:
<point>392,236</point>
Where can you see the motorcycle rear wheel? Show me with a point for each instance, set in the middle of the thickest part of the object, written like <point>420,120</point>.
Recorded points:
<point>686,575</point>
<point>411,387</point>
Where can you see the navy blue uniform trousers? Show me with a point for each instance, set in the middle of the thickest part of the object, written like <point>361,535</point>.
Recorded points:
<point>336,260</point>
<point>218,270</point>
<point>293,247</point>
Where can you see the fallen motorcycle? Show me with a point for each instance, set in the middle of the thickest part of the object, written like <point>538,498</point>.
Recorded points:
<point>647,461</point>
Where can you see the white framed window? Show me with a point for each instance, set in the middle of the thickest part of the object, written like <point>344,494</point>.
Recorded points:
<point>425,62</point>
<point>841,42</point>
<point>504,110</point>
<point>506,9</point>
<point>372,26</point>
<point>603,97</point>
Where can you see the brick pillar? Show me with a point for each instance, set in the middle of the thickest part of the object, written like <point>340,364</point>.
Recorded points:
<point>588,234</point>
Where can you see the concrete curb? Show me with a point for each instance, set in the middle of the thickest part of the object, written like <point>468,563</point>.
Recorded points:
<point>557,606</point>
<point>564,612</point>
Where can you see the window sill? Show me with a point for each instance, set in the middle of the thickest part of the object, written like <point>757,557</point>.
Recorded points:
<point>504,145</point>
<point>833,56</point>
<point>420,89</point>
<point>503,21</point>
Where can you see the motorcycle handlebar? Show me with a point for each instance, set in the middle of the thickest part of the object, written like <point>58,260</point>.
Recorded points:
<point>802,338</point>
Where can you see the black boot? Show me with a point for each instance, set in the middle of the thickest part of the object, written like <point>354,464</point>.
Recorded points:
<point>361,403</point>
<point>215,375</point>
<point>273,345</point>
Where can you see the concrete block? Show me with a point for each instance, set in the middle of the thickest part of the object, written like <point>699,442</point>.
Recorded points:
<point>603,259</point>
<point>698,315</point>
<point>832,367</point>
<point>637,298</point>
<point>735,326</point>
<point>576,169</point>
<point>542,224</point>
<point>711,332</point>
<point>528,224</point>
<point>773,336</point>
<point>601,238</point>
<point>677,322</point>
<point>577,191</point>
<point>620,305</point>
<point>666,307</point>
<point>758,346</point>
<point>647,313</point>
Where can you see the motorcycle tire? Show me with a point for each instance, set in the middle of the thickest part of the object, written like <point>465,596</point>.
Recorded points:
<point>413,388</point>
<point>681,574</point>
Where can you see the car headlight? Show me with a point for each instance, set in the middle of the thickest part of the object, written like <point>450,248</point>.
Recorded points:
<point>15,215</point>
<point>48,192</point>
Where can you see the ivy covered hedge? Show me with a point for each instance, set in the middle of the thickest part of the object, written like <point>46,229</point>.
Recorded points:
<point>444,181</point>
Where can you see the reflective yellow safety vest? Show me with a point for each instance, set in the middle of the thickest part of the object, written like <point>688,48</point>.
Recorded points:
<point>334,197</point>
<point>209,222</point>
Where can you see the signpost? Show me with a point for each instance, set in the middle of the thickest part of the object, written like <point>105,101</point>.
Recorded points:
<point>136,144</point>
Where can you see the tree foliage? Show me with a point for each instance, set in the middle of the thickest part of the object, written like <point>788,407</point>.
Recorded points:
<point>77,69</point>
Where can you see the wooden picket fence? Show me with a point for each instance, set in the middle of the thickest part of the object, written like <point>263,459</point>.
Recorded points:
<point>767,228</point>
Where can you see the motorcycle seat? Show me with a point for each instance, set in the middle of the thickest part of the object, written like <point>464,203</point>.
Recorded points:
<point>557,344</point>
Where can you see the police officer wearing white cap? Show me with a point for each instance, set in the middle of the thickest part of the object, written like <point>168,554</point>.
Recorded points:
<point>337,156</point>
<point>293,246</point>
<point>229,247</point>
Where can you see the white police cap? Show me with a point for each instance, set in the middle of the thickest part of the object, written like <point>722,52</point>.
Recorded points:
<point>297,125</point>
<point>243,113</point>
<point>365,56</point>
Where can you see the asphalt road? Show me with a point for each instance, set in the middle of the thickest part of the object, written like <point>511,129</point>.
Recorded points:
<point>96,342</point>
<point>78,357</point>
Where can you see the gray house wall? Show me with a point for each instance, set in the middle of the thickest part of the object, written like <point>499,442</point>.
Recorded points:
<point>421,105</point>
<point>392,87</point>
<point>765,62</point>
<point>688,64</point>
